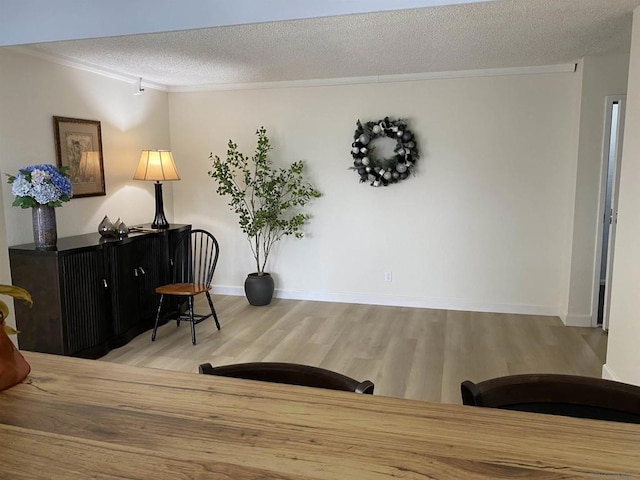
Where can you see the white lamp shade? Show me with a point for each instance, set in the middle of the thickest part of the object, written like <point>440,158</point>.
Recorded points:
<point>156,165</point>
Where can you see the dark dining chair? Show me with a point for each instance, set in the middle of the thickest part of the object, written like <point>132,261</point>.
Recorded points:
<point>291,374</point>
<point>567,395</point>
<point>194,262</point>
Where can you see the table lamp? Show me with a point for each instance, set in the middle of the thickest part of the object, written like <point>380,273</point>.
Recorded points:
<point>157,166</point>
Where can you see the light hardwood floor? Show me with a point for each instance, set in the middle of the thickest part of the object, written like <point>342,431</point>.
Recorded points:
<point>407,352</point>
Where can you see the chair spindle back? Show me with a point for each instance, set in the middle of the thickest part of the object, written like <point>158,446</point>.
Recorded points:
<point>195,258</point>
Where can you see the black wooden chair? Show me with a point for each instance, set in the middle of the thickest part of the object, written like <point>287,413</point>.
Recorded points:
<point>567,395</point>
<point>194,261</point>
<point>291,374</point>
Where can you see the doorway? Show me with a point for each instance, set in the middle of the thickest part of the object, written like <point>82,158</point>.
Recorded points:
<point>610,180</point>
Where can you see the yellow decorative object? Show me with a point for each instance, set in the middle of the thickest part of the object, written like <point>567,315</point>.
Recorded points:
<point>15,292</point>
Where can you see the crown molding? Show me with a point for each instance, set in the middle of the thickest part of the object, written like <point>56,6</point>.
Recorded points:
<point>87,67</point>
<point>372,79</point>
<point>407,77</point>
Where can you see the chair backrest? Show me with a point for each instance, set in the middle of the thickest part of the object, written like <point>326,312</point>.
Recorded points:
<point>567,395</point>
<point>195,257</point>
<point>290,373</point>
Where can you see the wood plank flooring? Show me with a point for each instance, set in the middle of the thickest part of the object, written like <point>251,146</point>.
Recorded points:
<point>407,352</point>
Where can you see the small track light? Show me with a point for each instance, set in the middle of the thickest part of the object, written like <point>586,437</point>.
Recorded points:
<point>139,90</point>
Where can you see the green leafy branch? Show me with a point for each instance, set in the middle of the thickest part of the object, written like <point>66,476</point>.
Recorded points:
<point>266,199</point>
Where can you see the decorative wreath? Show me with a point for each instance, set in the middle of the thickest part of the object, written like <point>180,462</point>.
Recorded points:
<point>383,171</point>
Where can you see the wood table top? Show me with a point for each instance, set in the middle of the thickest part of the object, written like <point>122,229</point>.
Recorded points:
<point>78,419</point>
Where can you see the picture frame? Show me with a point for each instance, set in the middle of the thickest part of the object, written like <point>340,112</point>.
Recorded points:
<point>79,147</point>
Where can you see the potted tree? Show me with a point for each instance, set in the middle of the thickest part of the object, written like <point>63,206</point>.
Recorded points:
<point>268,201</point>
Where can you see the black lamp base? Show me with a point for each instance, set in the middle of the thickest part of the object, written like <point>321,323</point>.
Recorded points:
<point>160,221</point>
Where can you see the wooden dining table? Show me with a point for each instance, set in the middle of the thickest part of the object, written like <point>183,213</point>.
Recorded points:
<point>85,419</point>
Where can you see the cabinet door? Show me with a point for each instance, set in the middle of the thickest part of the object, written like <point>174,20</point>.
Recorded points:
<point>153,268</point>
<point>40,326</point>
<point>83,296</point>
<point>123,288</point>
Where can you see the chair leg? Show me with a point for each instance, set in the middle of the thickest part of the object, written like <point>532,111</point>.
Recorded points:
<point>155,327</point>
<point>213,311</point>
<point>192,321</point>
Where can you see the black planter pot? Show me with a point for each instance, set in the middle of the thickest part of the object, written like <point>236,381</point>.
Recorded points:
<point>259,288</point>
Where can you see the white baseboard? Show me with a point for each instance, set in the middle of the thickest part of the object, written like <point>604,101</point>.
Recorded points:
<point>608,374</point>
<point>400,301</point>
<point>563,316</point>
<point>573,320</point>
<point>228,290</point>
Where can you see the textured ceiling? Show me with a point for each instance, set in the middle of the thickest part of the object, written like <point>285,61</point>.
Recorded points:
<point>500,34</point>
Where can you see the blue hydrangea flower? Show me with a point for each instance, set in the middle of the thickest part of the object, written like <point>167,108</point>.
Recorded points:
<point>40,185</point>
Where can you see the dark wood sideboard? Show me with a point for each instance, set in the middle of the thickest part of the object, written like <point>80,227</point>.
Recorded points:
<point>91,294</point>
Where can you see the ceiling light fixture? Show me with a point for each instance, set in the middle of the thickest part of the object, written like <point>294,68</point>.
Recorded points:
<point>139,90</point>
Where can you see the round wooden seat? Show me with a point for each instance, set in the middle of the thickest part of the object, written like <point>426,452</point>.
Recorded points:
<point>182,289</point>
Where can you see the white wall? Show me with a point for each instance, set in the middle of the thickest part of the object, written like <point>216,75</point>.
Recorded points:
<point>602,76</point>
<point>623,362</point>
<point>487,224</point>
<point>484,225</point>
<point>31,92</point>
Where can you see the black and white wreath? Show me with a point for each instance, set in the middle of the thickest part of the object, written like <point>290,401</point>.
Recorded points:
<point>379,170</point>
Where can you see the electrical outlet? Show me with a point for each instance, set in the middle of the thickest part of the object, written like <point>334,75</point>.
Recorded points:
<point>388,276</point>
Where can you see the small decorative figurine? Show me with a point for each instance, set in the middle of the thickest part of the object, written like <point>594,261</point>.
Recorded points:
<point>106,228</point>
<point>122,229</point>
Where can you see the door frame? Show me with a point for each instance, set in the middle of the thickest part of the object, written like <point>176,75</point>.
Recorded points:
<point>604,168</point>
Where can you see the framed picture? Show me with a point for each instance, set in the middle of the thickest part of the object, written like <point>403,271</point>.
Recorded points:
<point>79,147</point>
